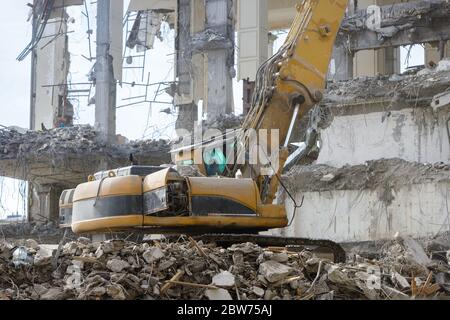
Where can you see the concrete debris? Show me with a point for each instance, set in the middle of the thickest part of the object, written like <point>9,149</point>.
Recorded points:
<point>401,281</point>
<point>328,177</point>
<point>153,254</point>
<point>33,232</point>
<point>281,257</point>
<point>165,269</point>
<point>57,148</point>
<point>224,279</point>
<point>258,291</point>
<point>407,255</point>
<point>443,65</point>
<point>398,87</point>
<point>31,243</point>
<point>443,279</point>
<point>274,271</point>
<point>53,294</point>
<point>371,175</point>
<point>225,122</point>
<point>218,294</point>
<point>117,265</point>
<point>394,294</point>
<point>44,254</point>
<point>415,252</point>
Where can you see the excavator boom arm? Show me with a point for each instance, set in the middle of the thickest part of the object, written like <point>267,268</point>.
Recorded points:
<point>289,84</point>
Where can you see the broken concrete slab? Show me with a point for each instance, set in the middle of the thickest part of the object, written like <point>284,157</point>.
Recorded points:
<point>328,177</point>
<point>383,88</point>
<point>44,254</point>
<point>31,243</point>
<point>415,251</point>
<point>117,265</point>
<point>394,294</point>
<point>258,291</point>
<point>274,271</point>
<point>371,175</point>
<point>218,294</point>
<point>225,279</point>
<point>115,292</point>
<point>401,281</point>
<point>66,156</point>
<point>281,257</point>
<point>53,294</point>
<point>153,254</point>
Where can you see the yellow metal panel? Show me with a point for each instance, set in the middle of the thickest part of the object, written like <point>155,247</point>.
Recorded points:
<point>156,180</point>
<point>117,186</point>
<point>106,224</point>
<point>243,191</point>
<point>216,222</point>
<point>272,211</point>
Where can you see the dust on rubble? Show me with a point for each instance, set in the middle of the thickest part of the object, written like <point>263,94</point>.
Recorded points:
<point>41,232</point>
<point>79,140</point>
<point>423,84</point>
<point>371,175</point>
<point>186,269</point>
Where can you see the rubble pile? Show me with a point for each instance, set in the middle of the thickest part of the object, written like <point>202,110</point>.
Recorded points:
<point>71,140</point>
<point>419,87</point>
<point>186,269</point>
<point>371,175</point>
<point>225,122</point>
<point>66,156</point>
<point>43,232</point>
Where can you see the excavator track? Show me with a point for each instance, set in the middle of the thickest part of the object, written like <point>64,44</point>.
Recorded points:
<point>275,241</point>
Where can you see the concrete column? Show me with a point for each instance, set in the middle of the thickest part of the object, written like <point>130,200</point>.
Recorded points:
<point>184,71</point>
<point>433,52</point>
<point>220,20</point>
<point>50,67</point>
<point>341,66</point>
<point>105,93</point>
<point>43,203</point>
<point>342,63</point>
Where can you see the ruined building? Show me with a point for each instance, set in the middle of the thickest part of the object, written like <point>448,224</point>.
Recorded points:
<point>377,172</point>
<point>384,136</point>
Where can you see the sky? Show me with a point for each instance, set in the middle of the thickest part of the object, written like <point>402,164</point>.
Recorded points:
<point>134,122</point>
<point>14,75</point>
<point>14,89</point>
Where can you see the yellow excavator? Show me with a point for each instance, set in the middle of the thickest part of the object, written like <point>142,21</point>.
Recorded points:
<point>224,208</point>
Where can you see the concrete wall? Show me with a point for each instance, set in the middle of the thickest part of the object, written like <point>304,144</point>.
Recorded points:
<point>418,135</point>
<point>360,215</point>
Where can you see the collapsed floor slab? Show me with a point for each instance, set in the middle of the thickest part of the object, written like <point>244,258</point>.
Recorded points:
<point>67,156</point>
<point>387,117</point>
<point>368,202</point>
